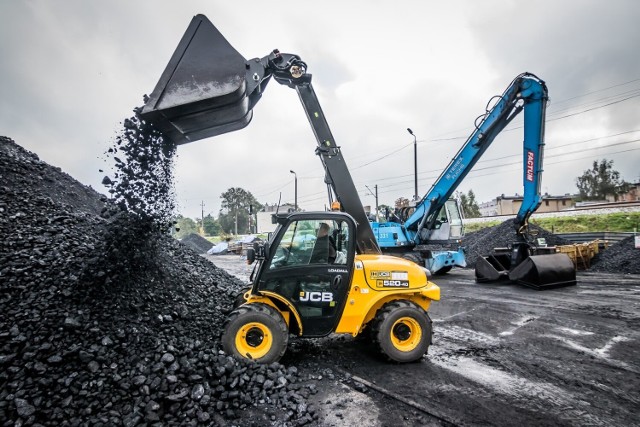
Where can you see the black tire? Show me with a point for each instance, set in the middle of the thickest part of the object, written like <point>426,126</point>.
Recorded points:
<point>413,257</point>
<point>402,331</point>
<point>257,332</point>
<point>444,270</point>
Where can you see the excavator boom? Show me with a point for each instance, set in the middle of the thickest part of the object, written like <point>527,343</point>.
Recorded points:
<point>526,92</point>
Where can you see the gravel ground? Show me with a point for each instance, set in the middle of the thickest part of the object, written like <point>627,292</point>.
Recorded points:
<point>502,354</point>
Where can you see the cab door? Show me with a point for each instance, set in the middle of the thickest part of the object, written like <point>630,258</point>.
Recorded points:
<point>316,286</point>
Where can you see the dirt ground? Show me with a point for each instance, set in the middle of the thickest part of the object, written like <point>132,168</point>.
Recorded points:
<point>502,355</point>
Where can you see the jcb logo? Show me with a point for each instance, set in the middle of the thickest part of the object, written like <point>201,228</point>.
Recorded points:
<point>316,296</point>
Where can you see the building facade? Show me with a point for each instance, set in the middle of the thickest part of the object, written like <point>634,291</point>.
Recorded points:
<point>510,205</point>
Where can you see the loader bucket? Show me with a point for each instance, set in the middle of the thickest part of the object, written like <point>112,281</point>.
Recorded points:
<point>202,91</point>
<point>545,272</point>
<point>493,267</point>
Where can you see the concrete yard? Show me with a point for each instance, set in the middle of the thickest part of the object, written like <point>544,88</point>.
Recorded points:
<point>502,355</point>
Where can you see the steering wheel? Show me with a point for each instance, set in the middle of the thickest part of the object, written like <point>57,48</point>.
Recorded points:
<point>285,257</point>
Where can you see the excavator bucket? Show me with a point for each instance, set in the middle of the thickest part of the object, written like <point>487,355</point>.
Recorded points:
<point>203,90</point>
<point>545,272</point>
<point>492,268</point>
<point>526,265</point>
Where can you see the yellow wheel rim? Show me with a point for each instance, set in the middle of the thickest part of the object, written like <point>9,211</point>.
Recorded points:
<point>254,340</point>
<point>406,334</point>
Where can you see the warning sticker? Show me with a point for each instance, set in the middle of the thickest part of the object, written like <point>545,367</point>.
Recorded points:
<point>399,275</point>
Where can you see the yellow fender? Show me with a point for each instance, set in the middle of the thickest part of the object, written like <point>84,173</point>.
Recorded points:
<point>361,307</point>
<point>268,297</point>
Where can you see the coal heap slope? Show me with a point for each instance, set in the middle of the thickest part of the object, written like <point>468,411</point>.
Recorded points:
<point>482,242</point>
<point>197,243</point>
<point>89,339</point>
<point>622,258</point>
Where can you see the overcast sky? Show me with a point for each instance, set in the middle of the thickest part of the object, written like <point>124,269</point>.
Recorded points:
<point>71,71</point>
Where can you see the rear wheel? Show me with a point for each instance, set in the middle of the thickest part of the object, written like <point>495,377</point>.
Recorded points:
<point>257,332</point>
<point>402,331</point>
<point>413,257</point>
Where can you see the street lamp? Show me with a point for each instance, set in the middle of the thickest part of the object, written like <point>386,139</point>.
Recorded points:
<point>296,189</point>
<point>415,164</point>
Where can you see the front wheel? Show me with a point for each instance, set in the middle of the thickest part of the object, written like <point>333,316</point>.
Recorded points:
<point>257,332</point>
<point>402,331</point>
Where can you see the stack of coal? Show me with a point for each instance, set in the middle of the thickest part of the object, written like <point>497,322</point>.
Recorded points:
<point>482,242</point>
<point>197,243</point>
<point>622,258</point>
<point>100,326</point>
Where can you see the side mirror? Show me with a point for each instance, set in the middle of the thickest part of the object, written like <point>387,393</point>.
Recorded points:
<point>266,249</point>
<point>259,251</point>
<point>251,256</point>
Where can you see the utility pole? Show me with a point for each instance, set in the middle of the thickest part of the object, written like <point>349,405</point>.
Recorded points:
<point>296,190</point>
<point>376,196</point>
<point>202,219</point>
<point>415,164</point>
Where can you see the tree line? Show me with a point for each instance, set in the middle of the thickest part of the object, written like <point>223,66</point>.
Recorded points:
<point>236,216</point>
<point>239,207</point>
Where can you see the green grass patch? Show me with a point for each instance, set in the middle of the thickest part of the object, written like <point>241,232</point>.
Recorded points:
<point>619,221</point>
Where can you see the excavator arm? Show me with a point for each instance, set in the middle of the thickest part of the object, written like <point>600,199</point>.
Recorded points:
<point>195,100</point>
<point>526,92</point>
<point>290,70</point>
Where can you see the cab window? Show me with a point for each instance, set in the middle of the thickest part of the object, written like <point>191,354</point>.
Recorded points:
<point>312,241</point>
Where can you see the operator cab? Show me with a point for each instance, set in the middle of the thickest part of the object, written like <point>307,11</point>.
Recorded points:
<point>448,223</point>
<point>309,261</point>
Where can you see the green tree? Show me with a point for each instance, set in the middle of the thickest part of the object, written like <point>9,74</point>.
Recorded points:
<point>384,211</point>
<point>184,227</point>
<point>600,181</point>
<point>234,213</point>
<point>401,202</point>
<point>469,205</point>
<point>211,226</point>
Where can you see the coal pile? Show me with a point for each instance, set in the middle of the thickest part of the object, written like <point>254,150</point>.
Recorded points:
<point>621,258</point>
<point>89,339</point>
<point>482,242</point>
<point>197,243</point>
<point>142,182</point>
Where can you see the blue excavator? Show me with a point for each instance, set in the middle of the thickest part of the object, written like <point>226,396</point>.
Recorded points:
<point>426,232</point>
